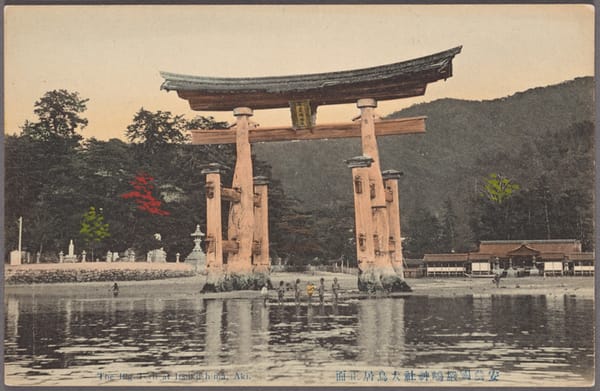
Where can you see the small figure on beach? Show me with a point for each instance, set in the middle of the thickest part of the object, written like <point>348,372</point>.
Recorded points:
<point>310,289</point>
<point>335,288</point>
<point>297,291</point>
<point>322,291</point>
<point>280,292</point>
<point>264,293</point>
<point>497,280</point>
<point>115,289</point>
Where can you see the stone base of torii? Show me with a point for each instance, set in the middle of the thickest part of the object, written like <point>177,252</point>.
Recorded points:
<point>241,261</point>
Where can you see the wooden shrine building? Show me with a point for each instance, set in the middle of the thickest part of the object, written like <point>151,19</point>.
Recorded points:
<point>243,255</point>
<point>519,257</point>
<point>445,265</point>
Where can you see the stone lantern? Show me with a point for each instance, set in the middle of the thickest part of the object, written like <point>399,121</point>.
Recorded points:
<point>197,257</point>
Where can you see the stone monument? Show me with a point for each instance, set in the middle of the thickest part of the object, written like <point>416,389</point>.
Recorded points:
<point>130,255</point>
<point>15,257</point>
<point>159,254</point>
<point>197,258</point>
<point>70,257</point>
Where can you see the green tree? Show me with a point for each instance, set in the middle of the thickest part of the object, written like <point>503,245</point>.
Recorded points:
<point>93,228</point>
<point>105,169</point>
<point>201,122</point>
<point>334,231</point>
<point>41,171</point>
<point>423,233</point>
<point>156,129</point>
<point>59,117</point>
<point>498,188</point>
<point>448,227</point>
<point>495,211</point>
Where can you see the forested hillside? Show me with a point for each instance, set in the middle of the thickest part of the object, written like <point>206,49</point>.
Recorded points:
<point>465,141</point>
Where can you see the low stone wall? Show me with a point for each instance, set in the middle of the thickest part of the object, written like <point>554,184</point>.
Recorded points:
<point>83,272</point>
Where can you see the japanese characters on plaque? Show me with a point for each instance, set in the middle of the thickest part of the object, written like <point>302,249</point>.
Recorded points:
<point>301,114</point>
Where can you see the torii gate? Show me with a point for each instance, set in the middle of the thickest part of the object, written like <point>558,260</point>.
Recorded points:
<point>242,258</point>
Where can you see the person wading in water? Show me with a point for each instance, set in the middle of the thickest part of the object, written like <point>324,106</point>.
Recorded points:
<point>264,292</point>
<point>280,292</point>
<point>115,290</point>
<point>335,288</point>
<point>497,280</point>
<point>310,289</point>
<point>297,291</point>
<point>322,291</point>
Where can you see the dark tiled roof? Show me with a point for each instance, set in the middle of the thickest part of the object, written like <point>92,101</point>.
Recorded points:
<point>582,256</point>
<point>524,250</point>
<point>501,248</point>
<point>392,81</point>
<point>453,257</point>
<point>480,256</point>
<point>413,263</point>
<point>552,256</point>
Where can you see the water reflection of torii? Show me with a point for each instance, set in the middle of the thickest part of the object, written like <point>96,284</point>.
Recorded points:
<point>377,218</point>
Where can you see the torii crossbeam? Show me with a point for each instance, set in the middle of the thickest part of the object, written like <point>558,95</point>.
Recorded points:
<point>244,254</point>
<point>325,131</point>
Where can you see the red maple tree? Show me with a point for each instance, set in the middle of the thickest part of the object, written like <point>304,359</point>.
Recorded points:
<point>142,195</point>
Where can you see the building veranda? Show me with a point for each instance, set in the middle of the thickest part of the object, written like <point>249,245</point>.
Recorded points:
<point>554,257</point>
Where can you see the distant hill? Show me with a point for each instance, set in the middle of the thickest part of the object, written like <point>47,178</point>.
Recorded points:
<point>445,162</point>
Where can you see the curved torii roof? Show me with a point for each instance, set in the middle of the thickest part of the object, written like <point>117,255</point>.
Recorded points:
<point>399,80</point>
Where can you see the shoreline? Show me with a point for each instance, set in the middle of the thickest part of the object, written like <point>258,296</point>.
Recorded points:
<point>434,287</point>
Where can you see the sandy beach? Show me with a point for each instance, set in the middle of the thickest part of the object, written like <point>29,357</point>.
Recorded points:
<point>435,287</point>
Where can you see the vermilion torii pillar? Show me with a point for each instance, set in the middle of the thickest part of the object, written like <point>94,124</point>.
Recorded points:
<point>241,214</point>
<point>381,228</point>
<point>363,216</point>
<point>214,240</point>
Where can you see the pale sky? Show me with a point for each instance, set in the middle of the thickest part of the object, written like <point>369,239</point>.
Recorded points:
<point>113,54</point>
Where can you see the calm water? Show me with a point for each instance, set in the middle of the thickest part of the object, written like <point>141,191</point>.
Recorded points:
<point>118,341</point>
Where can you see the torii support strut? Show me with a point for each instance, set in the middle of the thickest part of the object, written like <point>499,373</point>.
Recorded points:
<point>241,214</point>
<point>392,200</point>
<point>214,240</point>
